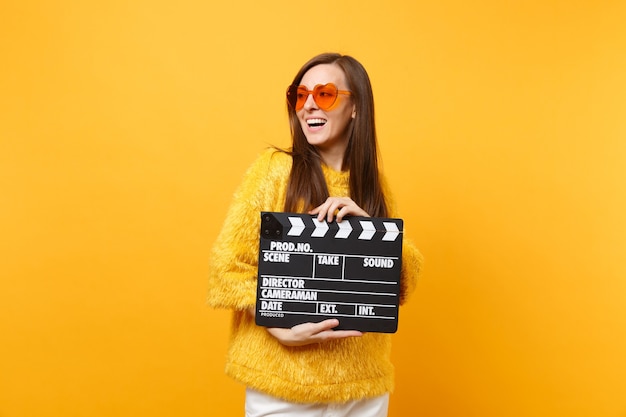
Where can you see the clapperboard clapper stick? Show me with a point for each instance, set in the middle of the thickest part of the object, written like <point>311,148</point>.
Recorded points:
<point>310,271</point>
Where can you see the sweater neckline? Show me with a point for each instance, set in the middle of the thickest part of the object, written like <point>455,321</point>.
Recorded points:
<point>335,178</point>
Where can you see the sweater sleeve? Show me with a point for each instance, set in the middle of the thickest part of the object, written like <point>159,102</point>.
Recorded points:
<point>411,267</point>
<point>411,257</point>
<point>234,258</point>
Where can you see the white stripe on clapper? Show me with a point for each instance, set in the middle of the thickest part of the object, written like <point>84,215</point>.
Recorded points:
<point>320,228</point>
<point>368,230</point>
<point>344,229</point>
<point>392,231</point>
<point>297,226</point>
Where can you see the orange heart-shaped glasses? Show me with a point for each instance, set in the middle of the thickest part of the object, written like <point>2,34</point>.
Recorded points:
<point>325,96</point>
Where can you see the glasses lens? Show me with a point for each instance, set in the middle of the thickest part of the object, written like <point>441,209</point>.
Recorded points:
<point>292,95</point>
<point>301,95</point>
<point>325,95</point>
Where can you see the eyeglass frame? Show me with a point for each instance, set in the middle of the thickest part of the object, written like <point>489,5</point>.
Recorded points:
<point>315,92</point>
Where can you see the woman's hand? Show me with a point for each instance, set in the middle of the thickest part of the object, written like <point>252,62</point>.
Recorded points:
<point>310,333</point>
<point>343,206</point>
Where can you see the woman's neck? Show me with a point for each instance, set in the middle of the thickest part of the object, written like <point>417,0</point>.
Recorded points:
<point>332,158</point>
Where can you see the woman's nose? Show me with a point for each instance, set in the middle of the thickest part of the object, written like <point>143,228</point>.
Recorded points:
<point>310,103</point>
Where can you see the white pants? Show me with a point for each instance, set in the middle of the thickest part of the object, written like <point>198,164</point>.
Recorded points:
<point>262,405</point>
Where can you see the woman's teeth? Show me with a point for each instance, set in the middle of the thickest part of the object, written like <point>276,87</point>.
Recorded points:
<point>316,122</point>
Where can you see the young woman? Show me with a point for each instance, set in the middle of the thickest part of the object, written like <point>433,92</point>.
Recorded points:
<point>332,172</point>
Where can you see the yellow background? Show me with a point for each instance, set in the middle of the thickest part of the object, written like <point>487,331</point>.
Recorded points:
<point>126,125</point>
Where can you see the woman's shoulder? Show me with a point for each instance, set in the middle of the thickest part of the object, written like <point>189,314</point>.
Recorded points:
<point>271,167</point>
<point>272,161</point>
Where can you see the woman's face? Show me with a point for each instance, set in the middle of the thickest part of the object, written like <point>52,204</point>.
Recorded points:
<point>326,129</point>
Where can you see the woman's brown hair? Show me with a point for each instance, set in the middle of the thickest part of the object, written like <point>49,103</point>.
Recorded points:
<point>307,187</point>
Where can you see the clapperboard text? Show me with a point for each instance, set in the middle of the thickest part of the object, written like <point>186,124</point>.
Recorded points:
<point>311,270</point>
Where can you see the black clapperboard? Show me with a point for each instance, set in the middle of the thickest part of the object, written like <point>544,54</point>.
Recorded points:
<point>310,271</point>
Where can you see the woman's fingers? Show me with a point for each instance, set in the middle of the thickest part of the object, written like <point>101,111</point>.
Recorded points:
<point>337,207</point>
<point>309,333</point>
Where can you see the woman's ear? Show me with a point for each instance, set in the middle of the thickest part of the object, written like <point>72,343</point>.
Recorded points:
<point>353,112</point>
